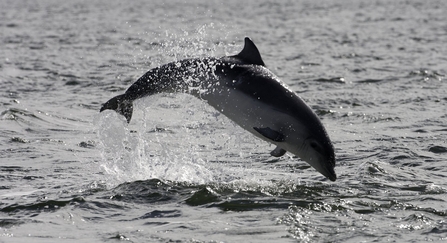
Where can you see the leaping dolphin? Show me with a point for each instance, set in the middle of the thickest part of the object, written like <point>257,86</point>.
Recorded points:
<point>244,90</point>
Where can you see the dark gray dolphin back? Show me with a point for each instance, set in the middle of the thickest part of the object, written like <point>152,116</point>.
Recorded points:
<point>170,77</point>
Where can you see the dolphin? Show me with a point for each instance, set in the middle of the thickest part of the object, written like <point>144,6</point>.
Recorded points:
<point>244,90</point>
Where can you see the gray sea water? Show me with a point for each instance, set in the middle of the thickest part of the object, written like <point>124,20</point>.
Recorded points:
<point>374,71</point>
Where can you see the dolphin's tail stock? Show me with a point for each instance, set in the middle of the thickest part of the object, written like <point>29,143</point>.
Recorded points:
<point>121,105</point>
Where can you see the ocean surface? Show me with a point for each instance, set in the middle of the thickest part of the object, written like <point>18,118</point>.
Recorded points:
<point>373,71</point>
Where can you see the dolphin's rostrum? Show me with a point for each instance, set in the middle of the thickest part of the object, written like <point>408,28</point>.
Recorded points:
<point>244,90</point>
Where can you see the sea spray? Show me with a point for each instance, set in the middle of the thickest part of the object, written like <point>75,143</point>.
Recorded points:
<point>177,137</point>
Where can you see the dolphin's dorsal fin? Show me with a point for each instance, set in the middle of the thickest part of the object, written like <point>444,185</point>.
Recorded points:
<point>250,53</point>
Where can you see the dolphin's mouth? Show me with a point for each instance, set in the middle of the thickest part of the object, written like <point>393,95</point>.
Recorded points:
<point>332,177</point>
<point>330,174</point>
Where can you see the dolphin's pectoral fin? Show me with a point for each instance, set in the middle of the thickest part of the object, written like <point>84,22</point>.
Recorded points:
<point>270,134</point>
<point>250,53</point>
<point>278,152</point>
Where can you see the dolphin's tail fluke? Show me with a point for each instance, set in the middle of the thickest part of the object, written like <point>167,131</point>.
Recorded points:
<point>121,105</point>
